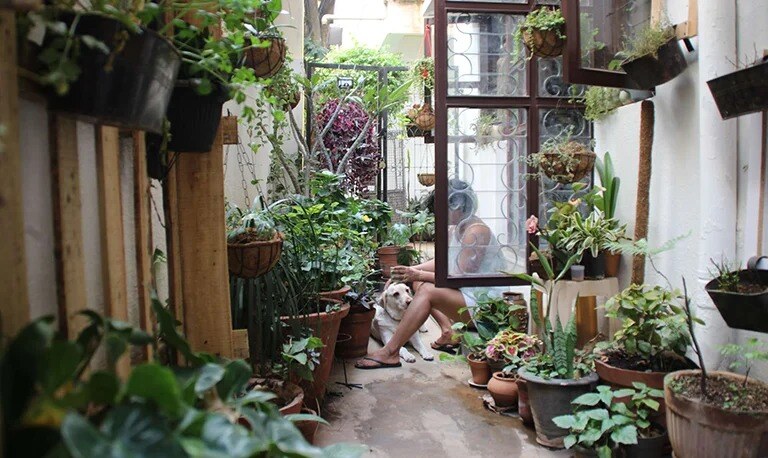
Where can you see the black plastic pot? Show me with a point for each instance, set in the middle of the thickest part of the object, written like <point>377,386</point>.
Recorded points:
<point>742,311</point>
<point>741,92</point>
<point>594,267</point>
<point>135,92</point>
<point>650,447</point>
<point>649,71</point>
<point>194,118</point>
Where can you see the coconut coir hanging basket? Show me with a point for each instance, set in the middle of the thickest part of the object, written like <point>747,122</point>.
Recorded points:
<point>544,43</point>
<point>267,61</point>
<point>250,260</point>
<point>573,162</point>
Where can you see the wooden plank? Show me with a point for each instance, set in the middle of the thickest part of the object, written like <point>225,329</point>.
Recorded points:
<point>657,9</point>
<point>143,225</point>
<point>67,224</point>
<point>13,267</point>
<point>203,252</point>
<point>170,209</point>
<point>112,240</point>
<point>240,343</point>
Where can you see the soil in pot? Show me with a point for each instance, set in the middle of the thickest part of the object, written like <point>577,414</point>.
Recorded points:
<point>249,257</point>
<point>650,71</point>
<point>503,389</point>
<point>732,420</point>
<point>357,325</point>
<point>135,92</point>
<point>481,372</point>
<point>550,398</point>
<point>267,61</point>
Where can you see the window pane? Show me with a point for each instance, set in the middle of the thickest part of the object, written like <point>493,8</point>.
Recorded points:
<point>480,58</point>
<point>551,82</point>
<point>486,151</point>
<point>604,26</point>
<point>495,1</point>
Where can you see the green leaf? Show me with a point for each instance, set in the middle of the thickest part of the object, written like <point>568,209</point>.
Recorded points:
<point>103,387</point>
<point>587,399</point>
<point>236,376</point>
<point>59,365</point>
<point>564,421</point>
<point>81,438</point>
<point>155,383</point>
<point>627,435</point>
<point>209,375</point>
<point>569,441</point>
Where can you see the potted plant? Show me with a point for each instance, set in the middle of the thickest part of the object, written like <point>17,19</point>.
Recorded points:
<point>266,55</point>
<point>743,91</point>
<point>600,102</point>
<point>512,349</point>
<point>356,324</point>
<point>473,346</point>
<point>560,373</point>
<point>102,63</point>
<point>589,237</point>
<point>604,426</point>
<point>563,160</point>
<point>604,199</point>
<point>284,88</point>
<point>542,32</point>
<point>715,414</point>
<point>422,116</point>
<point>395,248</point>
<point>253,244</point>
<point>423,72</point>
<point>741,296</point>
<point>652,56</point>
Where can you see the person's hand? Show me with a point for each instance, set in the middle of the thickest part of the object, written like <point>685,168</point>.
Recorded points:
<point>405,274</point>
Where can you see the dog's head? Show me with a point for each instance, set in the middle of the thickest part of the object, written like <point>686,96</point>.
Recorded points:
<point>395,299</point>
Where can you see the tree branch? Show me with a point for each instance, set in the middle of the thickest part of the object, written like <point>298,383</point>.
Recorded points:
<point>358,140</point>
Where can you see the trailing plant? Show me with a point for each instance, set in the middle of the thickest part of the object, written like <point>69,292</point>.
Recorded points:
<point>653,324</point>
<point>602,423</point>
<point>559,358</point>
<point>423,72</point>
<point>547,19</point>
<point>558,157</point>
<point>600,102</point>
<point>52,405</point>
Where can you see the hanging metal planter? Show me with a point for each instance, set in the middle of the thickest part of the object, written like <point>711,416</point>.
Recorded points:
<point>267,61</point>
<point>250,260</point>
<point>650,70</point>
<point>741,92</point>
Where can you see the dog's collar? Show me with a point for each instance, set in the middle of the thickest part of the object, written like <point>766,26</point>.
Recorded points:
<point>390,315</point>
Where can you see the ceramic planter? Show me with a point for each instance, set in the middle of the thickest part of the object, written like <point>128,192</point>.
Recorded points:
<point>503,390</point>
<point>523,403</point>
<point>742,311</point>
<point>135,92</point>
<point>650,71</point>
<point>357,325</point>
<point>324,325</point>
<point>481,372</point>
<point>544,43</point>
<point>551,398</point>
<point>250,260</point>
<point>702,431</point>
<point>741,92</point>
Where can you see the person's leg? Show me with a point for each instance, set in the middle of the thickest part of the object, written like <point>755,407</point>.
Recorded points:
<point>448,301</point>
<point>446,329</point>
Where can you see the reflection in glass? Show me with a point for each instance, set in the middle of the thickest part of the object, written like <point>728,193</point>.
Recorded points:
<point>604,26</point>
<point>551,81</point>
<point>480,58</point>
<point>486,151</point>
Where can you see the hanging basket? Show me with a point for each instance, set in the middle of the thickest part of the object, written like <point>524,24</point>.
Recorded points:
<point>741,92</point>
<point>250,260</point>
<point>426,179</point>
<point>425,118</point>
<point>267,61</point>
<point>229,130</point>
<point>20,5</point>
<point>194,118</point>
<point>649,71</point>
<point>544,43</point>
<point>569,166</point>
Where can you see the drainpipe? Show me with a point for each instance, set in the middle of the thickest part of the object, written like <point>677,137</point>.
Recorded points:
<point>718,165</point>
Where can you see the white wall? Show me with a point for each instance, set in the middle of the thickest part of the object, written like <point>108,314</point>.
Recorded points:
<point>383,17</point>
<point>675,194</point>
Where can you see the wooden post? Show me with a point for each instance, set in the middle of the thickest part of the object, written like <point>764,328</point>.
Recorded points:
<point>202,250</point>
<point>143,224</point>
<point>13,266</point>
<point>67,224</point>
<point>643,186</point>
<point>112,240</point>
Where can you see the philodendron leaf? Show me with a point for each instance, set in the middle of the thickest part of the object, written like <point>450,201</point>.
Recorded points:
<point>627,434</point>
<point>209,375</point>
<point>155,383</point>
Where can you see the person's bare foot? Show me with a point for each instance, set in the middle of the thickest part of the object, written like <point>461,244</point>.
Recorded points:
<point>379,358</point>
<point>445,339</point>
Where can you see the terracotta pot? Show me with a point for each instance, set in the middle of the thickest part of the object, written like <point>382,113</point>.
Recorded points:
<point>703,431</point>
<point>523,406</point>
<point>388,258</point>
<point>295,406</point>
<point>481,372</point>
<point>550,398</point>
<point>308,428</point>
<point>612,263</point>
<point>267,61</point>
<point>503,390</point>
<point>337,294</point>
<point>249,260</point>
<point>544,43</point>
<point>325,326</point>
<point>358,325</point>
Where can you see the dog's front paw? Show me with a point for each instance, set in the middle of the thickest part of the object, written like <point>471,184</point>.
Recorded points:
<point>407,356</point>
<point>428,356</point>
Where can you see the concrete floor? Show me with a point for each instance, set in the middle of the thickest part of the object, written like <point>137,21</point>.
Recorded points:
<point>423,409</point>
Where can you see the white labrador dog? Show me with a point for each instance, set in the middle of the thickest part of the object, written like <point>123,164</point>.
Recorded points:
<point>389,311</point>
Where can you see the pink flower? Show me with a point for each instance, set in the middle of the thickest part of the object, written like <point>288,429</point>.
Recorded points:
<point>532,224</point>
